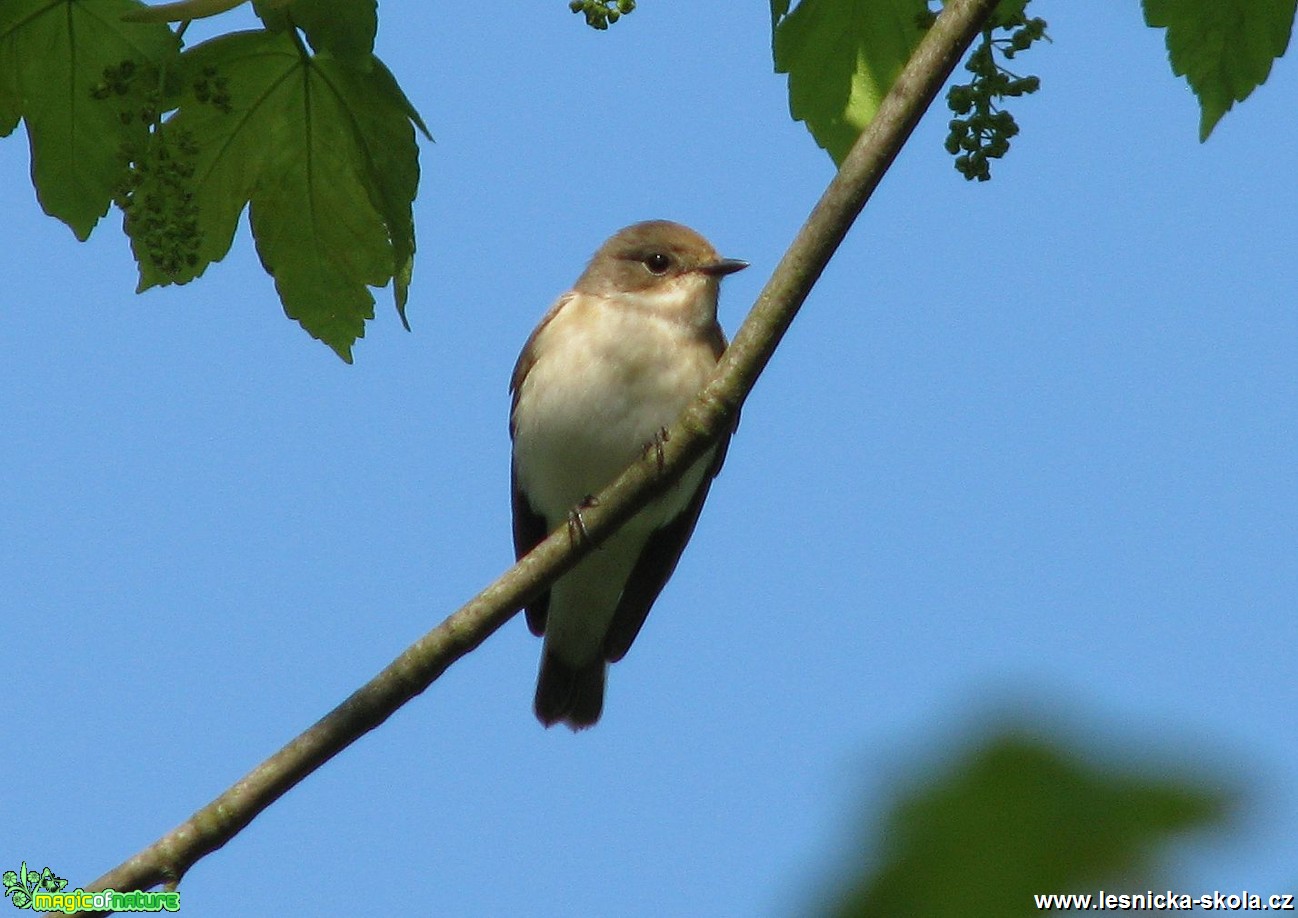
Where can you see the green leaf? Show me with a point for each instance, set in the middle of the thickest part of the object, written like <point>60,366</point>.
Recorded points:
<point>393,91</point>
<point>232,135</point>
<point>1008,11</point>
<point>323,153</point>
<point>273,14</point>
<point>1224,48</point>
<point>53,53</point>
<point>779,9</point>
<point>398,182</point>
<point>10,98</point>
<point>344,28</point>
<point>181,11</point>
<point>841,57</point>
<point>1019,816</point>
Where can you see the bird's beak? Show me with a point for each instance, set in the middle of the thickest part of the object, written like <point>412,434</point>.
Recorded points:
<point>724,266</point>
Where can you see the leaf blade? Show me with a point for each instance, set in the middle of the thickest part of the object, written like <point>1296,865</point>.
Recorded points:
<point>232,99</point>
<point>1223,48</point>
<point>842,57</point>
<point>322,153</point>
<point>345,29</point>
<point>56,53</point>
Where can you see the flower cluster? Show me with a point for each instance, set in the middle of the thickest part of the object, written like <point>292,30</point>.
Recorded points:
<point>983,129</point>
<point>601,13</point>
<point>155,193</point>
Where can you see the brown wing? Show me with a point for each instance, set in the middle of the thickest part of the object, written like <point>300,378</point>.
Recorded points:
<point>529,526</point>
<point>661,552</point>
<point>529,531</point>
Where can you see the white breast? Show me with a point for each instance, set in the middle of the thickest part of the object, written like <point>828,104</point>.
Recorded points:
<point>605,380</point>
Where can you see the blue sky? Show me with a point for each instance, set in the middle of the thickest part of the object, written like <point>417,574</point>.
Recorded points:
<point>1031,446</point>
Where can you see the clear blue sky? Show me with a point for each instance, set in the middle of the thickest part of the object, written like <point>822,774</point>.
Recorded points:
<point>1030,443</point>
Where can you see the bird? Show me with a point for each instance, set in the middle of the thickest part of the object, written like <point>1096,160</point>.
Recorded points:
<point>610,366</point>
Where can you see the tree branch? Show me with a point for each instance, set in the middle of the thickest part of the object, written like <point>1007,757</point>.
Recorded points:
<point>167,859</point>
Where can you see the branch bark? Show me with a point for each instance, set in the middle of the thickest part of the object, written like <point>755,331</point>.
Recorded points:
<point>167,859</point>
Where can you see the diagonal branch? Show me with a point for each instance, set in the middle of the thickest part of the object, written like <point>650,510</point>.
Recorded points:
<point>167,859</point>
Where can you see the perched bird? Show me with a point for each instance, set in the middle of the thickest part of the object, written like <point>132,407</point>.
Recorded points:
<point>611,366</point>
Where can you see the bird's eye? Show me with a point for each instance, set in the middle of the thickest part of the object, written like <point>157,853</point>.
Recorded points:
<point>657,263</point>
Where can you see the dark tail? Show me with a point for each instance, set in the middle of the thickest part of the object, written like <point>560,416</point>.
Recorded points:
<point>569,694</point>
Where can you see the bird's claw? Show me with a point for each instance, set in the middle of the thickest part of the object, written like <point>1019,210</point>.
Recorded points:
<point>576,525</point>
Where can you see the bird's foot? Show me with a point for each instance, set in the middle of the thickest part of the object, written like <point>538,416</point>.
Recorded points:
<point>661,436</point>
<point>576,525</point>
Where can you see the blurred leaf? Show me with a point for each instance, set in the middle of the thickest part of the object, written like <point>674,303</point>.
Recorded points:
<point>52,57</point>
<point>842,57</point>
<point>324,155</point>
<point>1224,48</point>
<point>1015,817</point>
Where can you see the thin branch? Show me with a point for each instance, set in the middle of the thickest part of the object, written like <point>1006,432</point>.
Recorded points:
<point>167,859</point>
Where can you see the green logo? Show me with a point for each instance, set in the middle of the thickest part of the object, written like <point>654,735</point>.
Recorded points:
<point>44,892</point>
<point>23,884</point>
